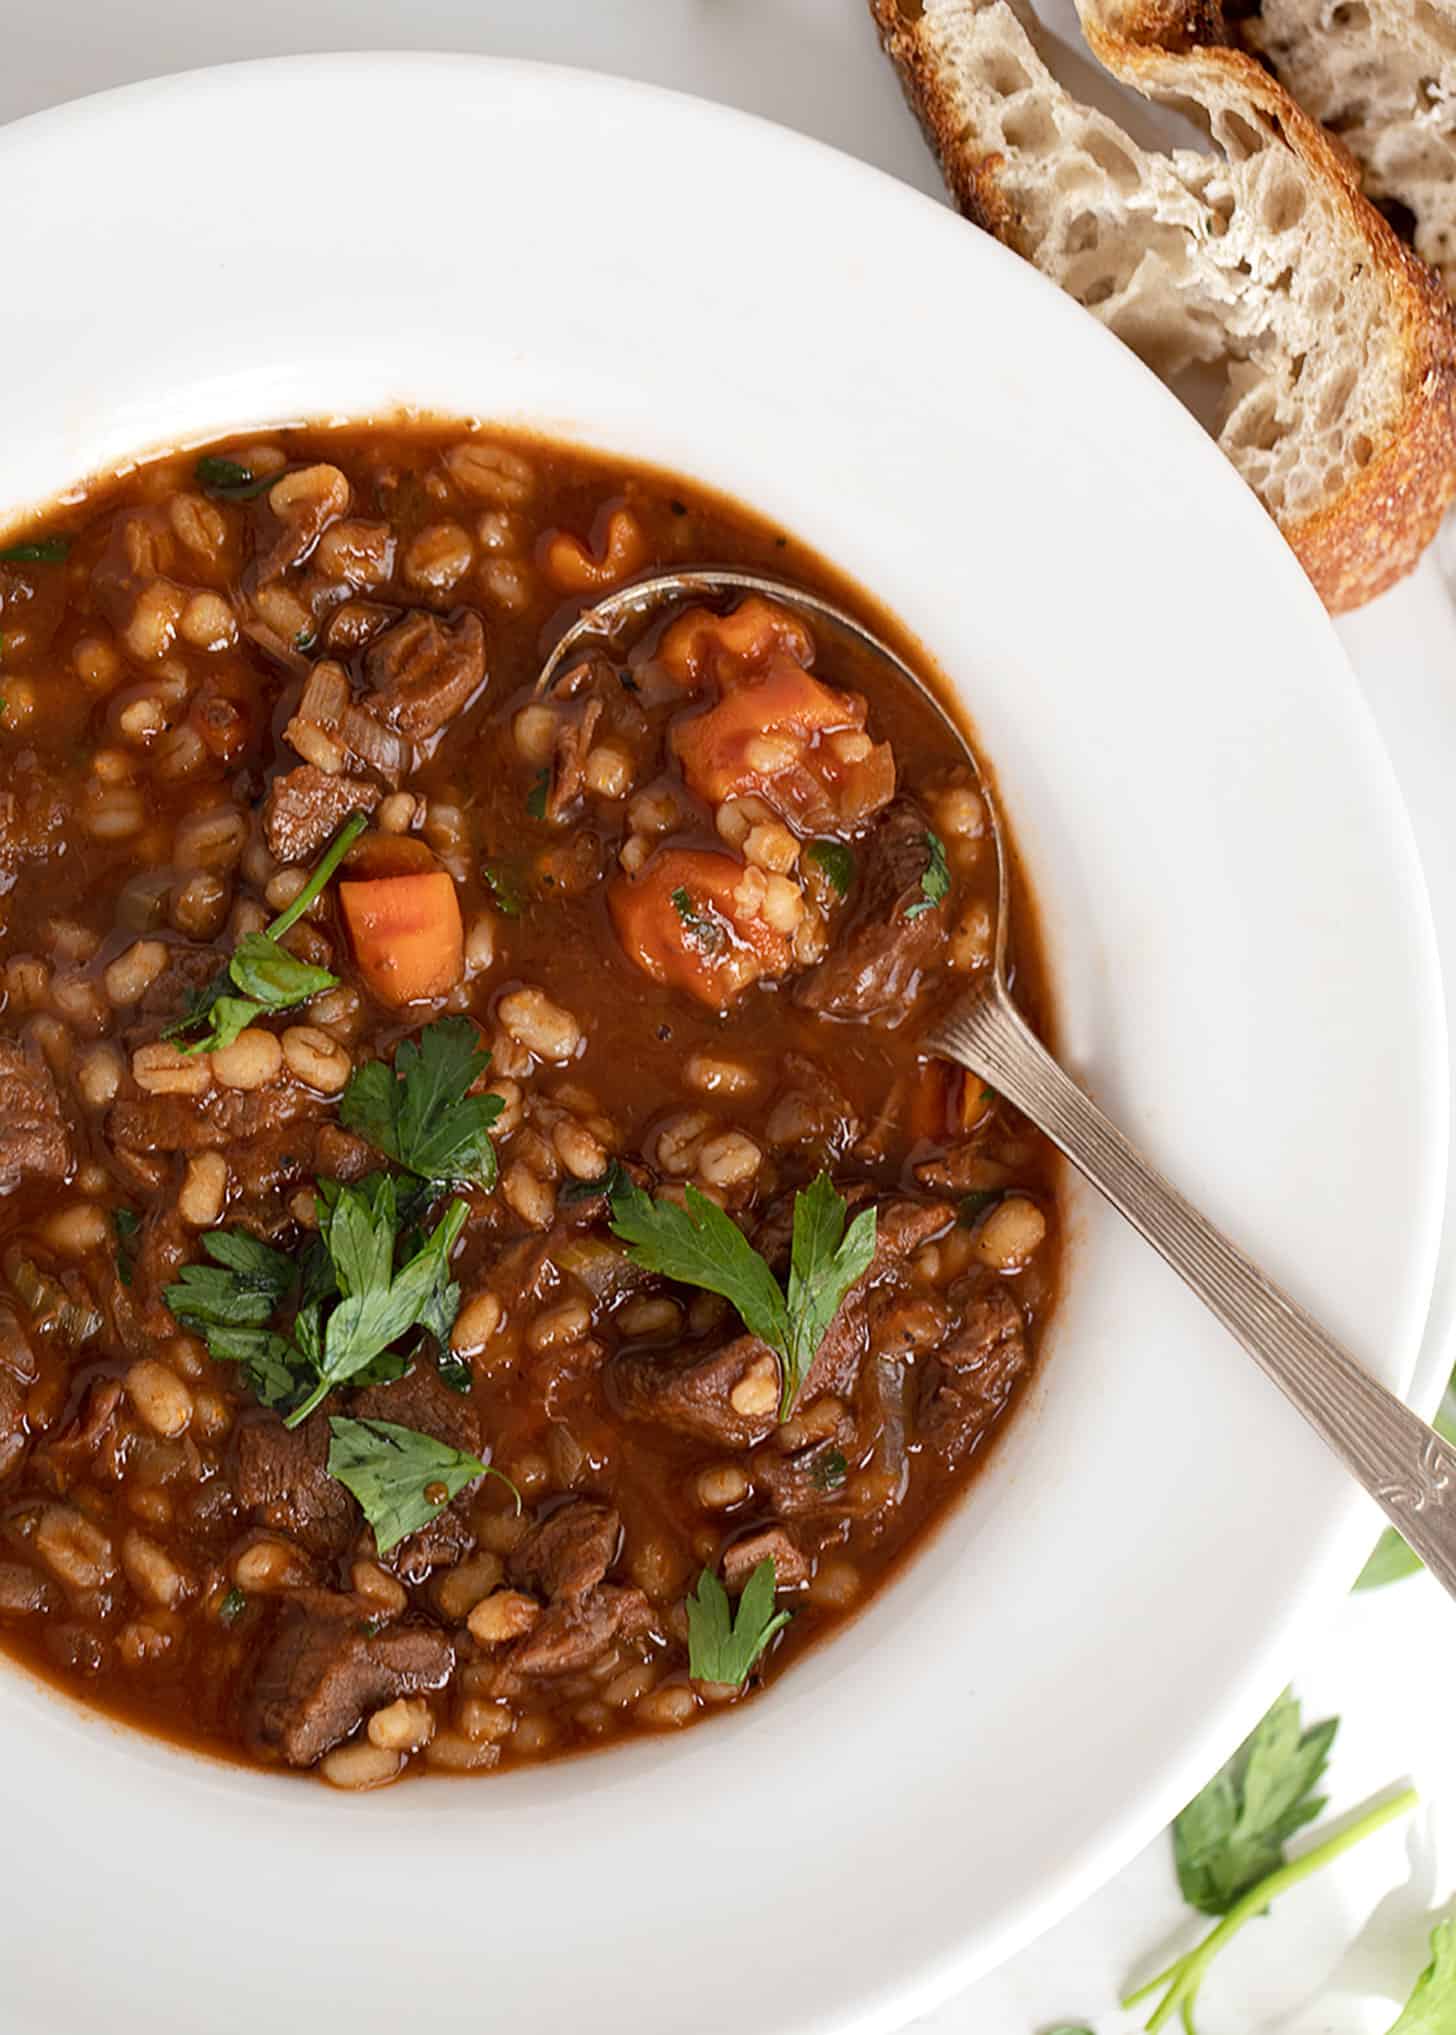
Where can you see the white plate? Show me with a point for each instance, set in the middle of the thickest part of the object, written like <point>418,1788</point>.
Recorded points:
<point>1239,934</point>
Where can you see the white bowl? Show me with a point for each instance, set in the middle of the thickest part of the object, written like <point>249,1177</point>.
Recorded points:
<point>1238,933</point>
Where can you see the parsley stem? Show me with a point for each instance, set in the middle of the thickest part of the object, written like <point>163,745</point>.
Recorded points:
<point>327,863</point>
<point>1184,1977</point>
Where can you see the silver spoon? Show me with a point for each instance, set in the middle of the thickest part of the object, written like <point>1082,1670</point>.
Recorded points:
<point>1407,1468</point>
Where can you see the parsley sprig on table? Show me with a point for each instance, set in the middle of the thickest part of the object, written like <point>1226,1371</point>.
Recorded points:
<point>421,1112</point>
<point>723,1647</point>
<point>1233,1832</point>
<point>364,1292</point>
<point>701,1246</point>
<point>261,976</point>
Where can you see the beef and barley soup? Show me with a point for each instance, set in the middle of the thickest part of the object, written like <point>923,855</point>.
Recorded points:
<point>486,1262</point>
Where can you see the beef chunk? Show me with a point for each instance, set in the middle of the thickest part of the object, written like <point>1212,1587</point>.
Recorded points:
<point>975,1369</point>
<point>964,1168</point>
<point>14,1435</point>
<point>306,807</point>
<point>569,1553</point>
<point>800,1484</point>
<point>423,671</point>
<point>422,1401</point>
<point>34,1140</point>
<point>695,1397</point>
<point>207,1123</point>
<point>743,1557</point>
<point>282,1474</point>
<point>874,967</point>
<point>88,1445</point>
<point>325,1669</point>
<point>573,1633</point>
<point>811,1112</point>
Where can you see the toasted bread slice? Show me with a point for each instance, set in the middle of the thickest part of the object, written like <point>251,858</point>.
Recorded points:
<point>1259,266</point>
<point>1381,74</point>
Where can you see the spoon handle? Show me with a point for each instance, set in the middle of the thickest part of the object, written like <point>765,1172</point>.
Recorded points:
<point>1407,1468</point>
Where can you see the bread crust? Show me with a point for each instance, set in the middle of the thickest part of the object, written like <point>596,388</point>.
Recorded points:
<point>1373,533</point>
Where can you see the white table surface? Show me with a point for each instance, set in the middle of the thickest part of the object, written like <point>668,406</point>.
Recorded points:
<point>1341,1952</point>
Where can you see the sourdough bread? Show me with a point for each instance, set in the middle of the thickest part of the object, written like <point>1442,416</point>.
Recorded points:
<point>1255,266</point>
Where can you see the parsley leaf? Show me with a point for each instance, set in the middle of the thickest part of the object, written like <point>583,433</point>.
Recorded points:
<point>276,1370</point>
<point>837,862</point>
<point>935,883</point>
<point>232,1607</point>
<point>400,1477</point>
<point>700,929</point>
<point>127,1225</point>
<point>1232,1834</point>
<point>421,1113</point>
<point>242,1286</point>
<point>829,1470</point>
<point>267,974</point>
<point>230,479</point>
<point>610,1183</point>
<point>505,888</point>
<point>377,1308</point>
<point>722,1647</point>
<point>701,1246</point>
<point>1179,1984</point>
<point>40,551</point>
<point>1431,2008</point>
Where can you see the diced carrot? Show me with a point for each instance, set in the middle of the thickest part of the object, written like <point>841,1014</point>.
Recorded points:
<point>700,645</point>
<point>408,940</point>
<point>377,854</point>
<point>685,921</point>
<point>774,734</point>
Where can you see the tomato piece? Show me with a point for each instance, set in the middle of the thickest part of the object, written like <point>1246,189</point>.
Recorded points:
<point>786,737</point>
<point>408,940</point>
<point>691,919</point>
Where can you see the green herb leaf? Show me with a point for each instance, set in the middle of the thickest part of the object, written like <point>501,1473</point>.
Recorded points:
<point>455,1373</point>
<point>837,862</point>
<point>974,1205</point>
<point>242,1286</point>
<point>400,1477</point>
<point>232,1607</point>
<point>611,1182</point>
<point>272,977</point>
<point>825,1262</point>
<point>1179,1984</point>
<point>1431,2008</point>
<point>420,1112</point>
<point>505,888</point>
<point>230,479</point>
<point>829,1470</point>
<point>127,1225</point>
<point>701,1246</point>
<point>700,928</point>
<point>276,1370</point>
<point>935,883</point>
<point>39,551</point>
<point>725,1648</point>
<point>376,1309</point>
<point>1232,1834</point>
<point>537,795</point>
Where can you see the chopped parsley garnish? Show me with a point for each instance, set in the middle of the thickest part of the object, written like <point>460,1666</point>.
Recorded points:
<point>305,639</point>
<point>974,1205</point>
<point>829,1470</point>
<point>504,888</point>
<point>537,795</point>
<point>837,862</point>
<point>265,975</point>
<point>1233,1832</point>
<point>455,1372</point>
<point>379,1288</point>
<point>421,1113</point>
<point>127,1225</point>
<point>229,479</point>
<point>400,1477</point>
<point>701,1246</point>
<point>232,1607</point>
<point>611,1182</point>
<point>40,551</point>
<point>699,928</point>
<point>723,1647</point>
<point>935,883</point>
